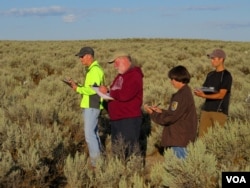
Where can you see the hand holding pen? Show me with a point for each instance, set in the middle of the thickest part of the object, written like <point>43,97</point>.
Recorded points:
<point>153,108</point>
<point>70,83</point>
<point>103,89</point>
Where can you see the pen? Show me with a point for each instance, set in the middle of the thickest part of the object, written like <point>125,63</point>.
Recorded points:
<point>158,104</point>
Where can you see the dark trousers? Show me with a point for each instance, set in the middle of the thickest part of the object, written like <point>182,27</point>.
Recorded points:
<point>125,135</point>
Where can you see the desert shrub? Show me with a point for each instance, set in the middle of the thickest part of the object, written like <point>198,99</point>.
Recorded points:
<point>109,172</point>
<point>31,152</point>
<point>198,169</point>
<point>221,149</point>
<point>76,170</point>
<point>154,139</point>
<point>230,144</point>
<point>41,129</point>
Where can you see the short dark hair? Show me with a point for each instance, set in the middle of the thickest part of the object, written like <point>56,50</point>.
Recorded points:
<point>180,74</point>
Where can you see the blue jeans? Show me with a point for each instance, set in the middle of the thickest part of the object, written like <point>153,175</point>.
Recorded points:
<point>180,152</point>
<point>90,119</point>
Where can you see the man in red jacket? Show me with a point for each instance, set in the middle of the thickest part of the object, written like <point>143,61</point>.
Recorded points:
<point>125,110</point>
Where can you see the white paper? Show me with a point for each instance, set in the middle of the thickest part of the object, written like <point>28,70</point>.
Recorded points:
<point>104,96</point>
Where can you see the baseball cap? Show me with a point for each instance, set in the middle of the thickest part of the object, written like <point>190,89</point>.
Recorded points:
<point>116,55</point>
<point>217,53</point>
<point>84,51</point>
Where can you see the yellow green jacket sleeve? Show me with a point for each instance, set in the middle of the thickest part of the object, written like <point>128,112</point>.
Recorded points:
<point>94,75</point>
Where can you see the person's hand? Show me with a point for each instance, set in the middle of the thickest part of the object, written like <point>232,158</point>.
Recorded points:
<point>103,89</point>
<point>156,109</point>
<point>151,109</point>
<point>199,93</point>
<point>73,84</point>
<point>147,109</point>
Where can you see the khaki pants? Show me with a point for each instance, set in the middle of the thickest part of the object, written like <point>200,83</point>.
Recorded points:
<point>209,119</point>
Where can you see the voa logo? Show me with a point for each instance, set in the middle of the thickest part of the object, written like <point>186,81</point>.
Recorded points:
<point>236,179</point>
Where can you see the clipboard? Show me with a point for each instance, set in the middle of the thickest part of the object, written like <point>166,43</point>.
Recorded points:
<point>66,82</point>
<point>104,96</point>
<point>69,84</point>
<point>208,89</point>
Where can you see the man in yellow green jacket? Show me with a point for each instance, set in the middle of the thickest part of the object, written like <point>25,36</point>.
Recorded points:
<point>91,103</point>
